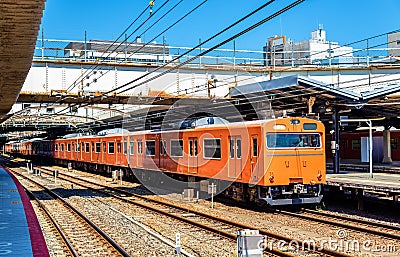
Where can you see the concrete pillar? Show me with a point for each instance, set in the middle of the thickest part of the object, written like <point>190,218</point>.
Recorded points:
<point>387,150</point>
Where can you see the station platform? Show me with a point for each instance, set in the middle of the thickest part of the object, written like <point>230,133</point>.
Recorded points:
<point>380,182</point>
<point>20,232</point>
<point>355,175</point>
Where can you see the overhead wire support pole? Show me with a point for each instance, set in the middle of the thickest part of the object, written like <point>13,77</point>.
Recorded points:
<point>336,138</point>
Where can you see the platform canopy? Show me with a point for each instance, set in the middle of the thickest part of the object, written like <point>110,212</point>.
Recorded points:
<point>299,95</point>
<point>19,24</point>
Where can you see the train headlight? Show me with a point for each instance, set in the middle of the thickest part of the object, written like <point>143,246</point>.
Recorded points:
<point>271,179</point>
<point>312,182</point>
<point>319,177</point>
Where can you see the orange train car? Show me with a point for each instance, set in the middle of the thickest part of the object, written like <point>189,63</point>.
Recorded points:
<point>280,161</point>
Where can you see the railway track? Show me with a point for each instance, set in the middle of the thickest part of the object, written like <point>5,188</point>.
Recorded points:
<point>118,228</point>
<point>57,241</point>
<point>218,226</point>
<point>371,227</point>
<point>334,220</point>
<point>81,236</point>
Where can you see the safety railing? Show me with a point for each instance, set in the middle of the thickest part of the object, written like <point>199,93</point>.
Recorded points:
<point>377,50</point>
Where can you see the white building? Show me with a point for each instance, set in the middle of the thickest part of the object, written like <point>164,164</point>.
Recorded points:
<point>316,50</point>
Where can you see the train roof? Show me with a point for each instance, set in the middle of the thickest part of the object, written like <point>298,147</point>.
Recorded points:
<point>124,132</point>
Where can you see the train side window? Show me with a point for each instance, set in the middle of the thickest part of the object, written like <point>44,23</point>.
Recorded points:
<point>87,147</point>
<point>78,147</point>
<point>150,148</point>
<point>62,148</point>
<point>98,147</point>
<point>93,147</point>
<point>191,152</point>
<point>104,147</point>
<point>232,148</point>
<point>140,147</point>
<point>255,147</point>
<point>212,148</point>
<point>176,147</point>
<point>394,143</point>
<point>239,148</point>
<point>68,147</point>
<point>125,147</point>
<point>196,150</point>
<point>132,147</point>
<point>119,147</point>
<point>56,147</point>
<point>111,147</point>
<point>356,144</point>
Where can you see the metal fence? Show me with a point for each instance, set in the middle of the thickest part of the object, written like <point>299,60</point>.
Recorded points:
<point>371,51</point>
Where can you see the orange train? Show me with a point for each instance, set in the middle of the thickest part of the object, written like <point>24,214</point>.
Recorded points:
<point>280,161</point>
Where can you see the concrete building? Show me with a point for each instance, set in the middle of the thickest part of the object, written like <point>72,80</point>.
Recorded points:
<point>394,44</point>
<point>317,50</point>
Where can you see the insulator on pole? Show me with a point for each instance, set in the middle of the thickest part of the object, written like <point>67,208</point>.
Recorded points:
<point>151,4</point>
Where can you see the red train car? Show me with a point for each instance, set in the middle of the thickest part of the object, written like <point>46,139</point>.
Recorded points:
<point>351,145</point>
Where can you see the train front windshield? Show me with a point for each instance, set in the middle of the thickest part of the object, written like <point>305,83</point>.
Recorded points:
<point>290,140</point>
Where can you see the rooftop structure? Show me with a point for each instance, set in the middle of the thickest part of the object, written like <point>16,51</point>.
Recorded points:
<point>130,51</point>
<point>316,50</point>
<point>394,44</point>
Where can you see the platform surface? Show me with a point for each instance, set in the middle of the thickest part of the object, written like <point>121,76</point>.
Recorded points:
<point>20,233</point>
<point>379,182</point>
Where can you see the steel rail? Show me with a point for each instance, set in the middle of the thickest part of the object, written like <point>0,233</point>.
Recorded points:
<point>364,222</point>
<point>208,216</point>
<point>54,222</point>
<point>116,246</point>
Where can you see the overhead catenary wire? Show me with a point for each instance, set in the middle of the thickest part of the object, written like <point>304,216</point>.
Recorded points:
<point>165,30</point>
<point>192,49</point>
<point>360,40</point>
<point>81,77</point>
<point>216,46</point>
<point>364,78</point>
<point>229,27</point>
<point>115,41</point>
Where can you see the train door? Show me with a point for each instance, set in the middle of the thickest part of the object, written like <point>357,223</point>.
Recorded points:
<point>118,159</point>
<point>254,158</point>
<point>193,155</point>
<point>139,158</point>
<point>103,151</point>
<point>162,153</point>
<point>235,157</point>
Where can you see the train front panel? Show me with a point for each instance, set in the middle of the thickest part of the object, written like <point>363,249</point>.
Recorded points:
<point>294,161</point>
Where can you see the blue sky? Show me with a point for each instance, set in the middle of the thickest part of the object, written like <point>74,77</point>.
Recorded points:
<point>344,20</point>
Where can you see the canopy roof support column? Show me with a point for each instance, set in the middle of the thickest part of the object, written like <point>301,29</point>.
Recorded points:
<point>387,150</point>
